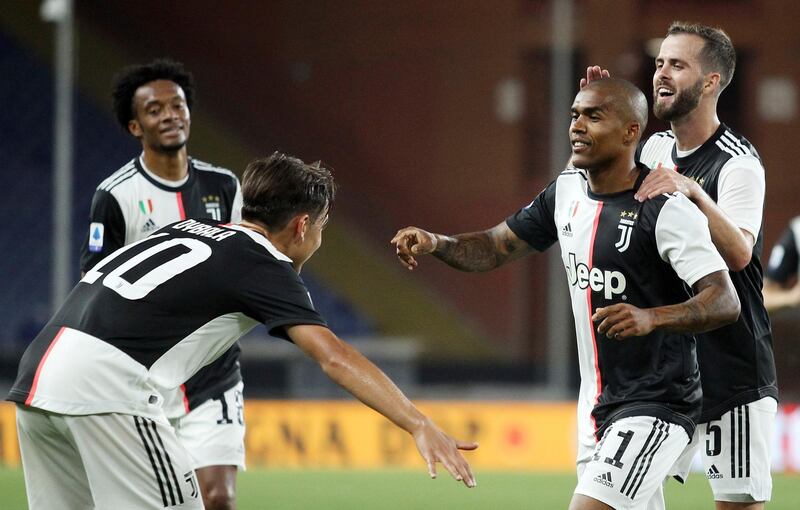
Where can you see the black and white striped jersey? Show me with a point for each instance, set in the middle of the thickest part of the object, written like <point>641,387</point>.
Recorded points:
<point>151,314</point>
<point>736,361</point>
<point>618,250</point>
<point>784,259</point>
<point>133,203</point>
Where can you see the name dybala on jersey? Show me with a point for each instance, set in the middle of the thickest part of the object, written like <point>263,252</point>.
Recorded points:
<point>737,360</point>
<point>618,250</point>
<point>153,313</point>
<point>133,203</point>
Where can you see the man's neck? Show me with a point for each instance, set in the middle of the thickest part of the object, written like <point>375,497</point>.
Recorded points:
<point>280,240</point>
<point>614,178</point>
<point>172,166</point>
<point>694,129</point>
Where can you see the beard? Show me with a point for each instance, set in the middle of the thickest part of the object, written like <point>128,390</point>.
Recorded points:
<point>685,102</point>
<point>175,147</point>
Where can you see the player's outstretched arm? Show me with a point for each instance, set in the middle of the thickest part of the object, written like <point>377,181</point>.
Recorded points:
<point>355,373</point>
<point>474,251</point>
<point>714,305</point>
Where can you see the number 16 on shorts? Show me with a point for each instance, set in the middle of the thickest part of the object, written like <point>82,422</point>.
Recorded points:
<point>631,460</point>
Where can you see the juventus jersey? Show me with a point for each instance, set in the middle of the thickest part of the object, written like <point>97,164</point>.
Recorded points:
<point>784,260</point>
<point>132,204</point>
<point>618,250</point>
<point>151,314</point>
<point>736,360</point>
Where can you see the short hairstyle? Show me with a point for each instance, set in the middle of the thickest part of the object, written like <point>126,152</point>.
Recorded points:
<point>630,103</point>
<point>276,188</point>
<point>127,81</point>
<point>718,54</point>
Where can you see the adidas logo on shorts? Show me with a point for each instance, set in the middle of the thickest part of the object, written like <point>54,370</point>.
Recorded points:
<point>567,230</point>
<point>604,479</point>
<point>713,473</point>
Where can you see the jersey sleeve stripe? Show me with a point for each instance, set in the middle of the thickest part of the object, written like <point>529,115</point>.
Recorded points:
<point>32,392</point>
<point>117,177</point>
<point>728,136</point>
<point>207,167</point>
<point>727,149</point>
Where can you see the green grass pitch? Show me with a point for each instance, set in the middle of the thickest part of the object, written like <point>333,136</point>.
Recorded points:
<point>261,489</point>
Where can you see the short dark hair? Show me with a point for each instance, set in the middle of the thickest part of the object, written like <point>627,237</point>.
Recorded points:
<point>630,103</point>
<point>718,54</point>
<point>276,188</point>
<point>127,81</point>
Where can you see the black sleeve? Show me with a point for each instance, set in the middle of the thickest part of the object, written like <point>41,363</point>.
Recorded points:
<point>106,230</point>
<point>783,260</point>
<point>637,156</point>
<point>535,224</point>
<point>276,295</point>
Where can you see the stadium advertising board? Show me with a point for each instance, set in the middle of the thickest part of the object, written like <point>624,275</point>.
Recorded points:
<point>340,434</point>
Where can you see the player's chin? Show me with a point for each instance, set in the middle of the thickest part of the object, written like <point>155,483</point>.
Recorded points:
<point>173,147</point>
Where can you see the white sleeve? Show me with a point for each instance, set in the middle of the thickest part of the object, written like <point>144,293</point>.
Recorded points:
<point>684,241</point>
<point>236,209</point>
<point>740,192</point>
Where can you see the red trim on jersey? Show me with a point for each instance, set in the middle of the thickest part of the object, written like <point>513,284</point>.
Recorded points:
<point>589,303</point>
<point>32,392</point>
<point>185,398</point>
<point>181,212</point>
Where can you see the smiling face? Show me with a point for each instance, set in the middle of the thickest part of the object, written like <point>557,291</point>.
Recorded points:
<point>161,116</point>
<point>597,133</point>
<point>678,80</point>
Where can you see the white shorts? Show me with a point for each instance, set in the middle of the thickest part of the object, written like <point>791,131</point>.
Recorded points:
<point>631,461</point>
<point>213,432</point>
<point>735,452</point>
<point>112,460</point>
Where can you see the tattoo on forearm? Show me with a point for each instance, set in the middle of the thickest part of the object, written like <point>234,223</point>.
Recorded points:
<point>714,304</point>
<point>475,251</point>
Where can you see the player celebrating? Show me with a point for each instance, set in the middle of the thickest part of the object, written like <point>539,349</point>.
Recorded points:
<point>163,185</point>
<point>721,172</point>
<point>781,289</point>
<point>626,263</point>
<point>92,428</point>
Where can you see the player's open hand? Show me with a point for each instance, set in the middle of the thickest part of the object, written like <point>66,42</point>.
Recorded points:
<point>594,73</point>
<point>662,180</point>
<point>622,320</point>
<point>436,446</point>
<point>412,241</point>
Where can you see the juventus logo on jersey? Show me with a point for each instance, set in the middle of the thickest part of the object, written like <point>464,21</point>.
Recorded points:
<point>212,207</point>
<point>626,222</point>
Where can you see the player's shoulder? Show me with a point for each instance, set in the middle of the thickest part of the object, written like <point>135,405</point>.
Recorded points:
<point>662,135</point>
<point>734,145</point>
<point>124,174</point>
<point>572,174</point>
<point>208,169</point>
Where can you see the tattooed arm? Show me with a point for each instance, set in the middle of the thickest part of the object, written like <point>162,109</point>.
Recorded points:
<point>474,251</point>
<point>713,305</point>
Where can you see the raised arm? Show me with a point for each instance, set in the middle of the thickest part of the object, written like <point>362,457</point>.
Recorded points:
<point>356,374</point>
<point>714,304</point>
<point>474,251</point>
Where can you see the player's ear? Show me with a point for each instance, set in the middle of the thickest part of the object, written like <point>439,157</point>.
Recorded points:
<point>135,128</point>
<point>631,133</point>
<point>711,83</point>
<point>302,222</point>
